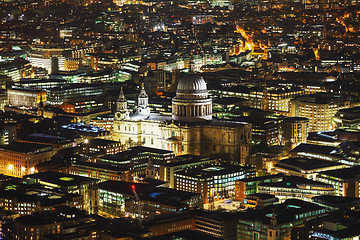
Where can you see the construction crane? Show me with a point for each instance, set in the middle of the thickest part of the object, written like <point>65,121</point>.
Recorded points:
<point>139,207</point>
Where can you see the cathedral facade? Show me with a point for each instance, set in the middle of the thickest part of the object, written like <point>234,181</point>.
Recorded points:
<point>190,129</point>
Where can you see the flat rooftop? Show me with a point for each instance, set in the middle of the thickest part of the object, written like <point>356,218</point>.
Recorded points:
<point>288,211</point>
<point>262,178</point>
<point>306,148</point>
<point>28,148</point>
<point>58,178</point>
<point>344,173</point>
<point>296,182</point>
<point>210,170</point>
<point>300,164</point>
<point>185,235</point>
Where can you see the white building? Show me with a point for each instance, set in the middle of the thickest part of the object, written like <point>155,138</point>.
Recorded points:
<point>190,129</point>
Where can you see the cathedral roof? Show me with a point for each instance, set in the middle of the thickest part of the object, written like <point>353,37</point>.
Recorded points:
<point>191,83</point>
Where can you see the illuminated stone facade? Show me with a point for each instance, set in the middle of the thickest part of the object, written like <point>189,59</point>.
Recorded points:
<point>190,130</point>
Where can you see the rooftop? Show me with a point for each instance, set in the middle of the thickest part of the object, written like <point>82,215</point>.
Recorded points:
<point>300,164</point>
<point>28,148</point>
<point>58,178</point>
<point>297,182</point>
<point>185,235</point>
<point>344,173</point>
<point>210,170</point>
<point>286,212</point>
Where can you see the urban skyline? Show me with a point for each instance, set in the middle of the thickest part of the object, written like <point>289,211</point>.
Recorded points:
<point>179,119</point>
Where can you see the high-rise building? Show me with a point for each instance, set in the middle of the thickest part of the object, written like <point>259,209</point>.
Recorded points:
<point>294,131</point>
<point>319,109</point>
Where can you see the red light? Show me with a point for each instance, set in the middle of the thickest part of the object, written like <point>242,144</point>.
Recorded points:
<point>133,187</point>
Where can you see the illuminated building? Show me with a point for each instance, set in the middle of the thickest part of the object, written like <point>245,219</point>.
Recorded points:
<point>258,200</point>
<point>167,170</point>
<point>85,131</point>
<point>296,187</point>
<point>117,198</point>
<point>42,56</point>
<point>186,235</point>
<point>214,182</point>
<point>329,153</point>
<point>82,106</point>
<point>276,100</point>
<point>56,224</point>
<point>69,183</point>
<point>265,131</point>
<point>269,99</point>
<point>190,130</point>
<point>348,118</point>
<point>294,131</point>
<point>172,222</point>
<point>306,167</point>
<point>51,140</point>
<point>126,166</point>
<point>104,121</point>
<point>277,221</point>
<point>26,199</point>
<point>227,104</point>
<point>101,171</point>
<point>16,69</point>
<point>101,146</point>
<point>345,181</point>
<point>249,186</point>
<point>343,224</point>
<point>216,223</point>
<point>72,64</point>
<point>319,109</point>
<point>334,203</point>
<point>326,138</point>
<point>58,95</point>
<point>8,133</point>
<point>19,159</point>
<point>18,97</point>
<point>43,83</point>
<point>202,19</point>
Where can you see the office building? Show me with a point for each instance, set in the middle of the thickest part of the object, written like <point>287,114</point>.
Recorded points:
<point>20,97</point>
<point>19,159</point>
<point>276,222</point>
<point>347,118</point>
<point>141,200</point>
<point>86,187</point>
<point>167,170</point>
<point>128,165</point>
<point>26,199</point>
<point>294,131</point>
<point>319,109</point>
<point>306,167</point>
<point>296,187</point>
<point>214,182</point>
<point>345,181</point>
<point>250,186</point>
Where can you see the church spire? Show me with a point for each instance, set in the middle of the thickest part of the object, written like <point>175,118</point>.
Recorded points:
<point>191,64</point>
<point>143,102</point>
<point>121,95</point>
<point>121,107</point>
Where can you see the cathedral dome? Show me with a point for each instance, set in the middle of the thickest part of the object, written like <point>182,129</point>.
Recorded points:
<point>191,84</point>
<point>192,102</point>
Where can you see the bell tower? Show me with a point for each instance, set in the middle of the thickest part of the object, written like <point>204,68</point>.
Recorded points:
<point>273,230</point>
<point>143,102</point>
<point>121,107</point>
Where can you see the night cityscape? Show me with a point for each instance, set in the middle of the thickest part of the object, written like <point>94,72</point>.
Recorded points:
<point>179,119</point>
